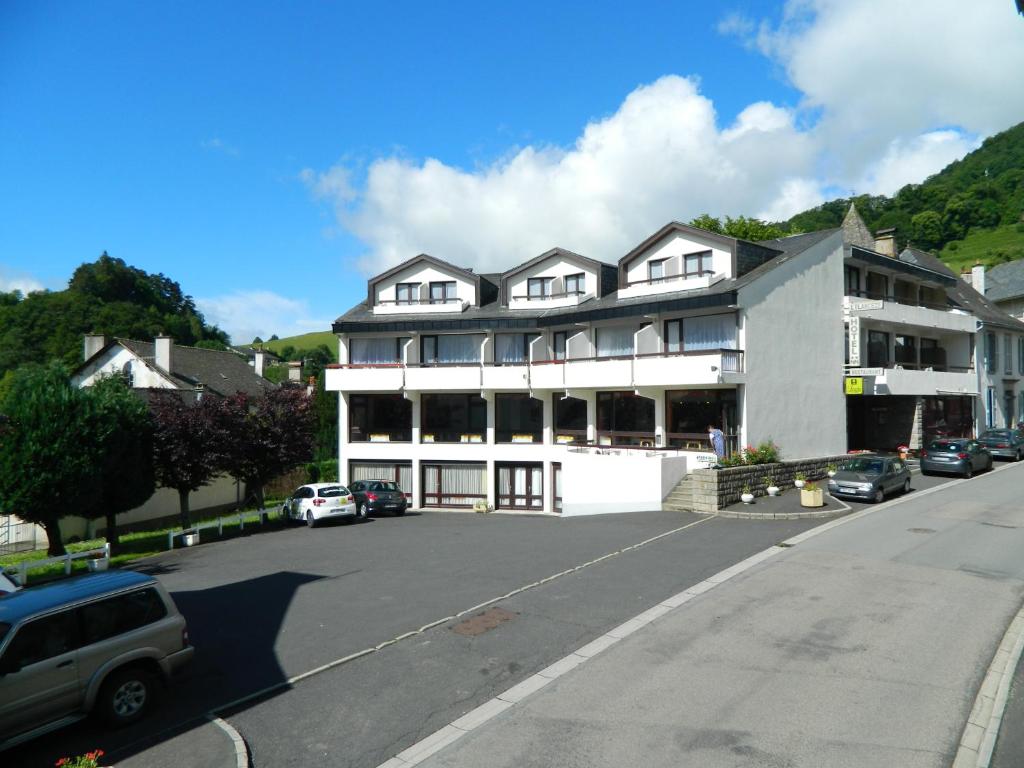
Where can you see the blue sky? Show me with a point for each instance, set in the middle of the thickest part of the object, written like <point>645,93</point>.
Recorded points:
<point>268,156</point>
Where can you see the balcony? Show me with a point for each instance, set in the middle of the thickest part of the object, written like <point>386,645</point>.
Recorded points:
<point>365,378</point>
<point>910,380</point>
<point>669,284</point>
<point>700,367</point>
<point>550,300</point>
<point>890,309</point>
<point>506,376</point>
<point>418,306</point>
<point>443,376</point>
<point>591,373</point>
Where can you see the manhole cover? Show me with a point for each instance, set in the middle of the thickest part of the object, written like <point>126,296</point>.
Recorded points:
<point>920,530</point>
<point>483,622</point>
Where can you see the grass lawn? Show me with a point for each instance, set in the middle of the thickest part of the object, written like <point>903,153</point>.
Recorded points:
<point>135,546</point>
<point>306,341</point>
<point>989,246</point>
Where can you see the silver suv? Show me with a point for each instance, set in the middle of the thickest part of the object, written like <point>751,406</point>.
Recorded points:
<point>100,643</point>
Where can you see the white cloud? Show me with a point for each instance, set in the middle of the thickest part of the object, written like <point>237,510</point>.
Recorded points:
<point>891,92</point>
<point>13,280</point>
<point>247,314</point>
<point>219,145</point>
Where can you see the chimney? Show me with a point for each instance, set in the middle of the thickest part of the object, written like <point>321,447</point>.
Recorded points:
<point>259,361</point>
<point>94,342</point>
<point>965,275</point>
<point>162,346</point>
<point>885,242</point>
<point>978,278</point>
<point>295,371</point>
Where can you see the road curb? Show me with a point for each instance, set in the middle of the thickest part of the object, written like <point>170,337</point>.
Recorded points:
<point>241,749</point>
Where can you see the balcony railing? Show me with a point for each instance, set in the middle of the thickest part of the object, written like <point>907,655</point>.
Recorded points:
<point>547,296</point>
<point>672,278</point>
<point>414,302</point>
<point>904,300</point>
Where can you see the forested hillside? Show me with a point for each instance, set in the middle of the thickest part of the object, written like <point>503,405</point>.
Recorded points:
<point>106,296</point>
<point>972,210</point>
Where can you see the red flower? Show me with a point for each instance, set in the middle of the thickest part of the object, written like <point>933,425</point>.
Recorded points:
<point>62,761</point>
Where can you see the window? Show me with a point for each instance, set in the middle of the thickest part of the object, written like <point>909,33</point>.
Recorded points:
<point>932,355</point>
<point>453,485</point>
<point>689,411</point>
<point>673,335</point>
<point>1020,355</point>
<point>380,351</point>
<point>656,270</point>
<point>520,486</point>
<point>42,639</point>
<point>518,418</point>
<point>570,416</point>
<point>407,293</point>
<point>906,350</point>
<point>991,353</point>
<point>878,349</point>
<point>700,333</point>
<point>878,286</point>
<point>1008,354</point>
<point>442,292</point>
<point>453,418</point>
<point>453,348</point>
<point>625,418</point>
<point>697,264</point>
<point>558,340</point>
<point>400,472</point>
<point>852,275</point>
<point>385,418</point>
<point>615,341</point>
<point>512,348</point>
<point>129,376</point>
<point>990,407</point>
<point>122,613</point>
<point>575,284</point>
<point>539,287</point>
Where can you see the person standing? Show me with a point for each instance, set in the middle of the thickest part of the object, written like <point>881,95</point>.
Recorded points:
<point>717,438</point>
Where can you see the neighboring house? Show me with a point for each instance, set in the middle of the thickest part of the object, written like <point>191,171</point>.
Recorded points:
<point>464,387</point>
<point>162,365</point>
<point>1003,285</point>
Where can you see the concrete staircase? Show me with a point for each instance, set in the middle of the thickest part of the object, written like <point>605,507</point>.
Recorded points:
<point>680,499</point>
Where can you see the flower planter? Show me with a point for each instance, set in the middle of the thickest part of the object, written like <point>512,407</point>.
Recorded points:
<point>813,498</point>
<point>97,564</point>
<point>773,490</point>
<point>831,473</point>
<point>189,539</point>
<point>747,498</point>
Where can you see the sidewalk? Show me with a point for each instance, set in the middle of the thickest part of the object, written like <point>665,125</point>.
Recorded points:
<point>205,745</point>
<point>862,646</point>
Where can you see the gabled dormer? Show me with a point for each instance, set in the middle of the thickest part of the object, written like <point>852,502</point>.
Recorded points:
<point>556,278</point>
<point>679,257</point>
<point>424,284</point>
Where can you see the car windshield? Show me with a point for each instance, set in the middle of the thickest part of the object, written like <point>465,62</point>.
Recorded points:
<point>867,466</point>
<point>1000,434</point>
<point>939,445</point>
<point>331,491</point>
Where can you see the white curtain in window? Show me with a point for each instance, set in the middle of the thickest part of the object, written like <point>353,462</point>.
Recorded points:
<point>463,482</point>
<point>615,341</point>
<point>536,484</point>
<point>463,348</point>
<point>712,332</point>
<point>508,348</point>
<point>370,351</point>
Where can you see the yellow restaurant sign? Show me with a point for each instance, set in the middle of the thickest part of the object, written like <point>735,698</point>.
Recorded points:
<point>855,385</point>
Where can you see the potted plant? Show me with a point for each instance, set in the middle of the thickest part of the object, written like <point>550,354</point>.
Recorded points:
<point>88,760</point>
<point>811,495</point>
<point>773,489</point>
<point>747,497</point>
<point>799,479</point>
<point>832,469</point>
<point>189,539</point>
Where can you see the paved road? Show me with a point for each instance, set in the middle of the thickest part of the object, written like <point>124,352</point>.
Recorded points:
<point>863,646</point>
<point>264,608</point>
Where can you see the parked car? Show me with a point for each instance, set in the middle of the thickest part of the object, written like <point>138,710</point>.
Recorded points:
<point>316,502</point>
<point>373,496</point>
<point>7,585</point>
<point>1004,443</point>
<point>958,456</point>
<point>870,477</point>
<point>101,643</point>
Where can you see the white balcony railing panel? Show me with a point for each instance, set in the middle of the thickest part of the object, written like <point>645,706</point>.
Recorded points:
<point>442,377</point>
<point>908,314</point>
<point>505,377</point>
<point>599,374</point>
<point>680,369</point>
<point>905,381</point>
<point>364,379</point>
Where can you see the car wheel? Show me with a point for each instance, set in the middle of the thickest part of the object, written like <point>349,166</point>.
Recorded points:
<point>400,512</point>
<point>989,467</point>
<point>969,473</point>
<point>906,486</point>
<point>360,511</point>
<point>126,696</point>
<point>879,496</point>
<point>310,520</point>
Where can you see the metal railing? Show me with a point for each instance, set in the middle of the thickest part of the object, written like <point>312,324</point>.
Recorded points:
<point>20,571</point>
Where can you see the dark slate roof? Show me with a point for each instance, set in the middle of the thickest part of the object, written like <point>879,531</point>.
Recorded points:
<point>222,372</point>
<point>926,260</point>
<point>983,308</point>
<point>1005,281</point>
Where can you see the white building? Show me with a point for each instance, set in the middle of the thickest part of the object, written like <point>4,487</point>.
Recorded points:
<point>465,387</point>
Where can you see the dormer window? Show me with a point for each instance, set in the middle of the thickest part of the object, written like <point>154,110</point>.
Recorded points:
<point>407,293</point>
<point>697,264</point>
<point>574,284</point>
<point>539,287</point>
<point>656,270</point>
<point>442,292</point>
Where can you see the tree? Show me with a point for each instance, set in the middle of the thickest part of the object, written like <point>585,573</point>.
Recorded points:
<point>927,229</point>
<point>325,415</point>
<point>188,445</point>
<point>124,433</point>
<point>266,436</point>
<point>48,451</point>
<point>708,222</point>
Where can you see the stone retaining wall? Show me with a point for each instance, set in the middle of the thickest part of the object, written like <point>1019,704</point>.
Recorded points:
<point>714,489</point>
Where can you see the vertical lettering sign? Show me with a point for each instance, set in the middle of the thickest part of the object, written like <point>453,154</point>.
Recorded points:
<point>854,341</point>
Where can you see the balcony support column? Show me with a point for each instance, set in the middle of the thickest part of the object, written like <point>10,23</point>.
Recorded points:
<point>488,396</point>
<point>343,436</point>
<point>590,396</point>
<point>417,416</point>
<point>549,422</point>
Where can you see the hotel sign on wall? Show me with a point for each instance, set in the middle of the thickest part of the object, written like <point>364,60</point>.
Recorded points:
<point>865,305</point>
<point>854,341</point>
<point>854,385</point>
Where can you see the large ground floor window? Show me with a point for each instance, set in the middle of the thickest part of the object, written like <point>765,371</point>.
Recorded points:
<point>399,472</point>
<point>688,412</point>
<point>453,418</point>
<point>948,416</point>
<point>570,415</point>
<point>518,418</point>
<point>453,485</point>
<point>379,419</point>
<point>624,418</point>
<point>520,486</point>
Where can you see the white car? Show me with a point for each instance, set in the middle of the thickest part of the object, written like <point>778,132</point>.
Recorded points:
<point>320,501</point>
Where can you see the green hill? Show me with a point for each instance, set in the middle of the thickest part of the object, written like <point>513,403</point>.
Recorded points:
<point>304,341</point>
<point>970,211</point>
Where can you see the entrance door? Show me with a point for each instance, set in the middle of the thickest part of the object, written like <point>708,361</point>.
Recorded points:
<point>520,486</point>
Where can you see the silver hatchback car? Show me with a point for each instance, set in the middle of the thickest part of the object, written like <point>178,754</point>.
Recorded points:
<point>870,477</point>
<point>100,643</point>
